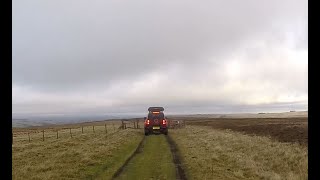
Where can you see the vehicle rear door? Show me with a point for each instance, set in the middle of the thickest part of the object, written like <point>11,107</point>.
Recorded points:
<point>156,120</point>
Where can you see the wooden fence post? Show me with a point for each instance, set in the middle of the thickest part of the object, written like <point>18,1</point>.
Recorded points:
<point>93,128</point>
<point>29,136</point>
<point>82,129</point>
<point>114,129</point>
<point>70,133</point>
<point>105,127</point>
<point>57,134</point>
<point>42,135</point>
<point>211,167</point>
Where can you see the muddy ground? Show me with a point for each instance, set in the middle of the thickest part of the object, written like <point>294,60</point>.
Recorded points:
<point>281,129</point>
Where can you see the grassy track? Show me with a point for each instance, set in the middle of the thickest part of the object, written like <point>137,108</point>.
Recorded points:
<point>84,156</point>
<point>153,162</point>
<point>208,153</point>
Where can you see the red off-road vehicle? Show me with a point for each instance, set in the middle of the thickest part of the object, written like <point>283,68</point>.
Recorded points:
<point>156,122</point>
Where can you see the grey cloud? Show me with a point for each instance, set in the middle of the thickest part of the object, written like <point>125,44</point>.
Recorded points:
<point>103,48</point>
<point>59,45</point>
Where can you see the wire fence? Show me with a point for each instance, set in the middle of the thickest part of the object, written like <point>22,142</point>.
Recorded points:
<point>38,134</point>
<point>31,135</point>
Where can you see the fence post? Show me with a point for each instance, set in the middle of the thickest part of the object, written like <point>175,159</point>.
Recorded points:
<point>105,127</point>
<point>113,127</point>
<point>82,129</point>
<point>42,135</point>
<point>29,136</point>
<point>57,134</point>
<point>134,125</point>
<point>211,167</point>
<point>93,128</point>
<point>70,133</point>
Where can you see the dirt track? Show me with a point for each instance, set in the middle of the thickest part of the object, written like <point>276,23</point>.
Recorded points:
<point>281,129</point>
<point>135,160</point>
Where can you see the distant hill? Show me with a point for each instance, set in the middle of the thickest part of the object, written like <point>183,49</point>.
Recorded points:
<point>37,120</point>
<point>251,115</point>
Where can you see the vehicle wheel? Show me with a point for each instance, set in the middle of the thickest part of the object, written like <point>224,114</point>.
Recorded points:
<point>166,133</point>
<point>146,134</point>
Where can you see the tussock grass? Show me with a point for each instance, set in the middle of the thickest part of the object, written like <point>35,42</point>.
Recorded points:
<point>84,156</point>
<point>223,154</point>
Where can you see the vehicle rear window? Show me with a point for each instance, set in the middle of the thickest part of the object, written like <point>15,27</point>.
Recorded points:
<point>156,116</point>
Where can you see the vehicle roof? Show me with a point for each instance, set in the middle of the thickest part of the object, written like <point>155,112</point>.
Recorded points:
<point>155,109</point>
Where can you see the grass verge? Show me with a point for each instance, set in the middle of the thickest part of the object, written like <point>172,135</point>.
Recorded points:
<point>223,154</point>
<point>85,156</point>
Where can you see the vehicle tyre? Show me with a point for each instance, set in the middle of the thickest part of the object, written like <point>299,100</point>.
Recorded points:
<point>146,134</point>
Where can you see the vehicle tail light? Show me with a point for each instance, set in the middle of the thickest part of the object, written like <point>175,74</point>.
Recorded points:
<point>148,121</point>
<point>164,122</point>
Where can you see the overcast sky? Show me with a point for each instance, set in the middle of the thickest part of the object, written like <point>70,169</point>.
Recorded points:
<point>223,56</point>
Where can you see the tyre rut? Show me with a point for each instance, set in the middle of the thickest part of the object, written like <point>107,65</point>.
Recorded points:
<point>180,173</point>
<point>137,151</point>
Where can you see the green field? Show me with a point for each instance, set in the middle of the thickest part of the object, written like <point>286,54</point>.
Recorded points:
<point>153,162</point>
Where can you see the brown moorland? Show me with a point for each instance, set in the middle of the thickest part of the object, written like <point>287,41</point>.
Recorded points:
<point>293,129</point>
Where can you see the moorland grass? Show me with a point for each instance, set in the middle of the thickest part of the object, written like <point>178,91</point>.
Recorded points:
<point>84,156</point>
<point>223,154</point>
